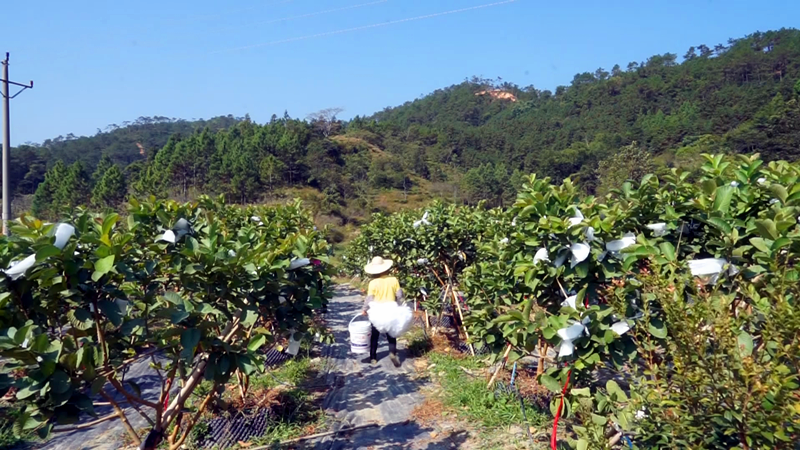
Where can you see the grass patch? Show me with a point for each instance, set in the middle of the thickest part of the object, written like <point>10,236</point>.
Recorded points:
<point>468,396</point>
<point>293,372</point>
<point>417,343</point>
<point>7,439</point>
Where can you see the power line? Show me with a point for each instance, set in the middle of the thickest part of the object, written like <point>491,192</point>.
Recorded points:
<point>365,27</point>
<point>234,11</point>
<point>303,16</point>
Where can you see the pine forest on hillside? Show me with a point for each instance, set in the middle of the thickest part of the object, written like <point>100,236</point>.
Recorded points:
<point>469,142</point>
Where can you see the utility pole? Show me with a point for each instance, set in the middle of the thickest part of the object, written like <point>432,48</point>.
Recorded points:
<point>7,140</point>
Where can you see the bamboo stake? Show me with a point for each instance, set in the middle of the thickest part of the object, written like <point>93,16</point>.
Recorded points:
<point>497,371</point>
<point>437,276</point>
<point>441,313</point>
<point>461,315</point>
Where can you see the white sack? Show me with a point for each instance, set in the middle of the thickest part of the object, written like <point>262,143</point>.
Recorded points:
<point>390,318</point>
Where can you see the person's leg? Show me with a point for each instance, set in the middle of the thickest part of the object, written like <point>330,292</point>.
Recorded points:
<point>393,350</point>
<point>373,344</point>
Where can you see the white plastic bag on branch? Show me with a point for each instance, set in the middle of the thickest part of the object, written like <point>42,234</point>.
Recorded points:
<point>541,255</point>
<point>64,232</point>
<point>423,221</point>
<point>658,229</point>
<point>580,252</point>
<point>569,334</point>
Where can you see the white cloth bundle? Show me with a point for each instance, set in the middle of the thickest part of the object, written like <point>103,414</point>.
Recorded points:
<point>390,318</point>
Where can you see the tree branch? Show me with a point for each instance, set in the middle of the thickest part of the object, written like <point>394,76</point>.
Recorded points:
<point>121,415</point>
<point>101,338</point>
<point>106,418</point>
<point>131,398</point>
<point>196,416</point>
<point>196,375</point>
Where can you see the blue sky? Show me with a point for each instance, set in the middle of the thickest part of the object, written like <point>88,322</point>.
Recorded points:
<point>100,62</point>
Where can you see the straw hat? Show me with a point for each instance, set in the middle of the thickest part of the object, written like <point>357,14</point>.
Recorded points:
<point>378,265</point>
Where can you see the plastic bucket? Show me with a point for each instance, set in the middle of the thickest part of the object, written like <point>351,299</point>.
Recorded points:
<point>360,333</point>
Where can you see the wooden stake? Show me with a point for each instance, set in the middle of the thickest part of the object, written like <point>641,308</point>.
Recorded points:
<point>437,276</point>
<point>442,312</point>
<point>497,371</point>
<point>461,315</point>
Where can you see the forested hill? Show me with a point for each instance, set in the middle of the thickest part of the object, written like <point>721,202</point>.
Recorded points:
<point>472,141</point>
<point>737,97</point>
<point>123,144</point>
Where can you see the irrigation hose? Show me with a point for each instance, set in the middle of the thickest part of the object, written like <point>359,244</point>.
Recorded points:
<point>558,413</point>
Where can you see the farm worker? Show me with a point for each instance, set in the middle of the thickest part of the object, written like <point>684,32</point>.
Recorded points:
<point>383,308</point>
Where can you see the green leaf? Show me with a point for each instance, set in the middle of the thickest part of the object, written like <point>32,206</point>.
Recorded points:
<point>173,297</point>
<point>598,420</point>
<point>582,444</point>
<point>224,365</point>
<point>256,342</point>
<point>44,432</point>
<point>657,328</point>
<point>761,245</point>
<point>246,364</point>
<point>720,224</point>
<point>766,228</point>
<point>80,318</point>
<point>111,310</point>
<point>131,326</point>
<point>46,252</point>
<point>614,390</point>
<point>189,340</point>
<point>104,265</point>
<point>780,243</point>
<point>60,382</point>
<point>709,186</point>
<point>27,392</point>
<point>745,344</point>
<point>178,317</point>
<point>40,343</point>
<point>109,222</point>
<point>779,192</point>
<point>135,387</point>
<point>250,316</point>
<point>97,385</point>
<point>84,403</point>
<point>667,250</point>
<point>30,422</point>
<point>550,383</point>
<point>722,199</point>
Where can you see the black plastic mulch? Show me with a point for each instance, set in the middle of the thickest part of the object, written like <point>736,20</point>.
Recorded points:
<point>480,349</point>
<point>275,358</point>
<point>224,432</point>
<point>447,321</point>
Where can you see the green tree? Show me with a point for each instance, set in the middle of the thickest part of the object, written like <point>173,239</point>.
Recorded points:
<point>104,164</point>
<point>74,188</point>
<point>111,190</point>
<point>271,171</point>
<point>45,194</point>
<point>629,163</point>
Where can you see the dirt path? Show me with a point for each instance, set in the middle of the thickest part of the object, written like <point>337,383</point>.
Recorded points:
<point>363,394</point>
